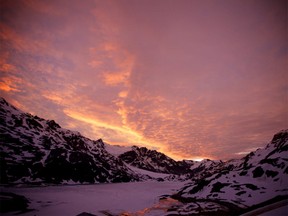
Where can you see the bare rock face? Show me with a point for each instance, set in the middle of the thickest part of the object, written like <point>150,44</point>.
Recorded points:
<point>13,202</point>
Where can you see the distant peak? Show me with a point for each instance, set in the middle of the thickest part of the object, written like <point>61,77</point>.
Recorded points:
<point>53,124</point>
<point>3,101</point>
<point>279,137</point>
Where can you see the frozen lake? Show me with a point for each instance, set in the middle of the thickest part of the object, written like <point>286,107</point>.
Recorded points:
<point>117,198</point>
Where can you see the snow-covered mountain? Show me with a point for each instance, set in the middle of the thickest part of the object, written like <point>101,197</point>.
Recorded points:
<point>259,178</point>
<point>153,160</point>
<point>36,150</point>
<point>157,165</point>
<point>204,168</point>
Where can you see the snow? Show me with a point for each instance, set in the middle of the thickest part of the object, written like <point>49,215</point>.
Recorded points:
<point>146,172</point>
<point>117,150</point>
<point>250,197</point>
<point>114,198</point>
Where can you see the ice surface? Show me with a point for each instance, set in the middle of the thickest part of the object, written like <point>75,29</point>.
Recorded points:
<point>73,200</point>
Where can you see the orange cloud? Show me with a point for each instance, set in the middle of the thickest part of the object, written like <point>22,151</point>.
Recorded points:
<point>114,79</point>
<point>6,87</point>
<point>124,64</point>
<point>23,43</point>
<point>161,120</point>
<point>7,67</point>
<point>109,47</point>
<point>10,84</point>
<point>7,34</point>
<point>4,65</point>
<point>122,133</point>
<point>95,63</point>
<point>154,121</point>
<point>53,97</point>
<point>98,123</point>
<point>123,94</point>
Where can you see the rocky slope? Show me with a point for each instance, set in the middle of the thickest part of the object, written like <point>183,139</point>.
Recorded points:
<point>259,178</point>
<point>35,150</point>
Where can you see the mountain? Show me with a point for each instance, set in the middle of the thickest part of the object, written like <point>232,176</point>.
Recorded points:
<point>35,150</point>
<point>151,164</point>
<point>38,151</point>
<point>154,161</point>
<point>256,180</point>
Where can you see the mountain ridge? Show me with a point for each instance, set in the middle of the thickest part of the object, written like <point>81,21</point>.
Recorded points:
<point>36,151</point>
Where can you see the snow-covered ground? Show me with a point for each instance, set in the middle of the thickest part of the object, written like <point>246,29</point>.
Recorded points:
<point>113,198</point>
<point>146,172</point>
<point>117,150</point>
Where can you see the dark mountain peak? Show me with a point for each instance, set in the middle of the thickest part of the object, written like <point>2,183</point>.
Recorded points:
<point>3,101</point>
<point>135,148</point>
<point>100,143</point>
<point>153,160</point>
<point>5,105</point>
<point>143,151</point>
<point>52,124</point>
<point>280,139</point>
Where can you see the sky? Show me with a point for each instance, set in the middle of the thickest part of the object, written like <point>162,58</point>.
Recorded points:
<point>192,79</point>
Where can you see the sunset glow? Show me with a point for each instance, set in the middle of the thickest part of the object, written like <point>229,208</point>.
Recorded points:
<point>193,79</point>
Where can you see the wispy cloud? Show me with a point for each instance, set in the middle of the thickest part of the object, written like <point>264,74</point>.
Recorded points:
<point>10,84</point>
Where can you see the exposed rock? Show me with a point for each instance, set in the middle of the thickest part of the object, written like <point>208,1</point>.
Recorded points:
<point>12,202</point>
